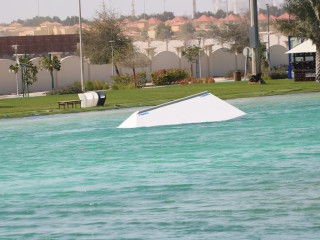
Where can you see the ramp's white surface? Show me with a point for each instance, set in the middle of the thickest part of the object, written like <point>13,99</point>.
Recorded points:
<point>202,107</point>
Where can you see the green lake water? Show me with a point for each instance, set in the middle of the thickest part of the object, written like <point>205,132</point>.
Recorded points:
<point>77,176</point>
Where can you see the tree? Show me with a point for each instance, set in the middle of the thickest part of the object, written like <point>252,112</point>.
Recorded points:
<point>130,57</point>
<point>306,24</point>
<point>163,31</point>
<point>96,39</point>
<point>50,63</point>
<point>273,11</point>
<point>188,29</point>
<point>220,14</point>
<point>237,35</point>
<point>191,53</point>
<point>28,72</point>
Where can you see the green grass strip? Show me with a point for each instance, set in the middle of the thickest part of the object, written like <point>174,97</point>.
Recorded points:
<point>47,105</point>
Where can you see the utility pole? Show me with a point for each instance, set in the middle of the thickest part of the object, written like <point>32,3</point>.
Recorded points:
<point>254,38</point>
<point>268,51</point>
<point>81,51</point>
<point>194,9</point>
<point>15,47</point>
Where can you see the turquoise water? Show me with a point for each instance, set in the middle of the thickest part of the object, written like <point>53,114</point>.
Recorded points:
<point>79,177</point>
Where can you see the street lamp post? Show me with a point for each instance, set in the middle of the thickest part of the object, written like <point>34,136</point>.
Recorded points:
<point>200,70</point>
<point>112,42</point>
<point>254,38</point>
<point>268,51</point>
<point>15,47</point>
<point>81,51</point>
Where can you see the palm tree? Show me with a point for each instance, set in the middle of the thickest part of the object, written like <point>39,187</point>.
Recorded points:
<point>306,24</point>
<point>50,64</point>
<point>191,53</point>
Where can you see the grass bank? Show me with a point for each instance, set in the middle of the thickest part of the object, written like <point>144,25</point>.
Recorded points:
<point>46,105</point>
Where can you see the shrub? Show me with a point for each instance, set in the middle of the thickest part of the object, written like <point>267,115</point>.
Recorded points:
<point>278,74</point>
<point>266,77</point>
<point>209,80</point>
<point>193,80</point>
<point>141,79</point>
<point>183,82</point>
<point>74,88</point>
<point>168,76</point>
<point>125,81</point>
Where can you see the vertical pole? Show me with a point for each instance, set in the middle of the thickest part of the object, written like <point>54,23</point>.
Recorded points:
<point>111,43</point>
<point>22,77</point>
<point>200,72</point>
<point>227,11</point>
<point>289,66</point>
<point>255,49</point>
<point>17,62</point>
<point>268,52</point>
<point>112,61</point>
<point>245,68</point>
<point>81,50</point>
<point>51,73</point>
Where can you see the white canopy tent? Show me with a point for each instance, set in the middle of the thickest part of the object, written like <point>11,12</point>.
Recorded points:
<point>199,108</point>
<point>305,47</point>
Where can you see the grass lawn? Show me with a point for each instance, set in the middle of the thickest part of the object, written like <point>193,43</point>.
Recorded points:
<point>34,106</point>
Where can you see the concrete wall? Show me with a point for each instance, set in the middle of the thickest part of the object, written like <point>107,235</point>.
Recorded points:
<point>8,82</point>
<point>214,63</point>
<point>278,56</point>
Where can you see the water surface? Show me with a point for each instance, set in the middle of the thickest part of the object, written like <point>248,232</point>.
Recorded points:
<point>79,177</point>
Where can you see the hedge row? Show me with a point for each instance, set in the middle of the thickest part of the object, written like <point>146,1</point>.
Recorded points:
<point>168,76</point>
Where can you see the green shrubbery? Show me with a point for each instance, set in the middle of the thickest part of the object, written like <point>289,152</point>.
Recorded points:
<point>76,88</point>
<point>168,76</point>
<point>96,85</point>
<point>277,72</point>
<point>127,81</point>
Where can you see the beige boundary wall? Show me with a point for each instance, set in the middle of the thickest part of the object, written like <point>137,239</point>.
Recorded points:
<point>214,62</point>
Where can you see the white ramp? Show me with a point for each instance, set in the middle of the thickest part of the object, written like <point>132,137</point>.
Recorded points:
<point>202,107</point>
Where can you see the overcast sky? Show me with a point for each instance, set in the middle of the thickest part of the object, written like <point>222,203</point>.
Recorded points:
<point>22,9</point>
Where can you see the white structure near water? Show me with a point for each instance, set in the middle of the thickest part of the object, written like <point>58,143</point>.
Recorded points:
<point>199,108</point>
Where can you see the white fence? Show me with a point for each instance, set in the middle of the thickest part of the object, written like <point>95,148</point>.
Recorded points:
<point>214,63</point>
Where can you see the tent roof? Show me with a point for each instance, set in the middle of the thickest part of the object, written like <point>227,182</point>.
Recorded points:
<point>304,47</point>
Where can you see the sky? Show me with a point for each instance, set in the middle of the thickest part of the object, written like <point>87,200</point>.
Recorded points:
<point>11,10</point>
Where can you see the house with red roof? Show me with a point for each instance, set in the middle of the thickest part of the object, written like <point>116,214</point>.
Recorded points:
<point>286,16</point>
<point>154,21</point>
<point>262,17</point>
<point>204,22</point>
<point>143,25</point>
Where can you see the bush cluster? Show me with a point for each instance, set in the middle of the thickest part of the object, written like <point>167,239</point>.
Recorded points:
<point>278,74</point>
<point>96,85</point>
<point>193,80</point>
<point>127,81</point>
<point>74,88</point>
<point>168,76</point>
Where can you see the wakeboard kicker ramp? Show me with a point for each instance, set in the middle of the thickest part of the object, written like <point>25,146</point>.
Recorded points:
<point>198,108</point>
